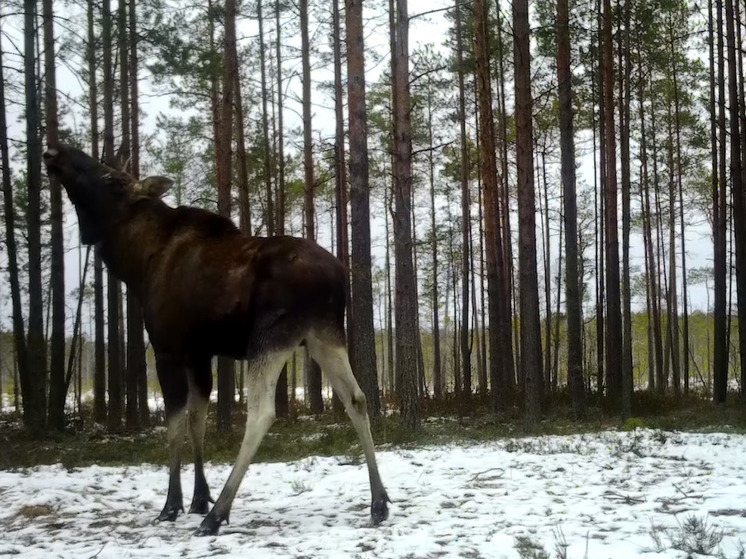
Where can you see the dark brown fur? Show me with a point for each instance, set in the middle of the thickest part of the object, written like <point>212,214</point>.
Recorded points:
<point>206,290</point>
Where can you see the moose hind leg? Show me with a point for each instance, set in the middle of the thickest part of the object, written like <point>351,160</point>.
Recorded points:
<point>200,386</point>
<point>262,381</point>
<point>334,361</point>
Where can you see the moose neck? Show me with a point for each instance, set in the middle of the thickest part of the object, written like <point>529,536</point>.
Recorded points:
<point>130,242</point>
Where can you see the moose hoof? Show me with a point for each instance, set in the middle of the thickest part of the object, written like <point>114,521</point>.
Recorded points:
<point>169,513</point>
<point>200,505</point>
<point>379,511</point>
<point>210,525</point>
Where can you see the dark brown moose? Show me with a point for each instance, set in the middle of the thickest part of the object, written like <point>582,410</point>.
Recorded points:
<point>207,289</point>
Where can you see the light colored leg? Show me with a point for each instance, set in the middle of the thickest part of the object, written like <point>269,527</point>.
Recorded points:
<point>197,413</point>
<point>262,380</point>
<point>174,500</point>
<point>334,361</point>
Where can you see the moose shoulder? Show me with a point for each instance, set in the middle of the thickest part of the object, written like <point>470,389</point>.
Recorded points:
<point>207,289</point>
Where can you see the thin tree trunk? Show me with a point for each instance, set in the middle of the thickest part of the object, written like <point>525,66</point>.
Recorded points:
<point>114,419</point>
<point>652,268</point>
<point>437,367</point>
<point>406,303</point>
<point>673,303</point>
<point>136,346</point>
<point>33,380</point>
<point>226,366</point>
<point>20,354</point>
<point>625,67</point>
<point>720,357</point>
<point>498,335</point>
<point>529,285</point>
<point>363,354</point>
<point>312,368</point>
<point>340,176</point>
<point>509,363</point>
<point>57,278</point>
<point>465,213</point>
<point>739,210</point>
<point>614,325</point>
<point>600,209</point>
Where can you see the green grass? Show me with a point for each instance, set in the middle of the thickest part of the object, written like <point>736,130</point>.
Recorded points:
<point>290,439</point>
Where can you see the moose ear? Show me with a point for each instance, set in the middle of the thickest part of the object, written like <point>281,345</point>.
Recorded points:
<point>153,187</point>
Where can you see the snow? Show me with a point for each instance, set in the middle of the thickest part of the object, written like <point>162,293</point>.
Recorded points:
<point>606,495</point>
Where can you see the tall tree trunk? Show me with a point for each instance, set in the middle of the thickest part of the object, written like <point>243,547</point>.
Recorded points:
<point>739,210</point>
<point>363,354</point>
<point>625,68</point>
<point>99,365</point>
<point>673,302</point>
<point>567,147</point>
<point>280,198</point>
<point>437,366</point>
<point>648,234</point>
<point>547,252</point>
<point>499,330</point>
<point>720,350</point>
<point>529,283</point>
<point>340,178</point>
<point>114,419</point>
<point>134,323</point>
<point>600,210</point>
<point>226,366</point>
<point>282,405</point>
<point>406,303</point>
<point>312,368</point>
<point>614,320</point>
<point>677,124</point>
<point>136,339</point>
<point>508,272</point>
<point>270,217</point>
<point>465,208</point>
<point>20,357</point>
<point>33,381</point>
<point>57,389</point>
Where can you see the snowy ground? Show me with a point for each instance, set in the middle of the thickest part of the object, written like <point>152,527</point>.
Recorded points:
<point>608,495</point>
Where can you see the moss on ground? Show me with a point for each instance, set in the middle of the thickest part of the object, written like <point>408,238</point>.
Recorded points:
<point>85,443</point>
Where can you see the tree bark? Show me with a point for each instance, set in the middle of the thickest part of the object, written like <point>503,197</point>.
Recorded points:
<point>309,185</point>
<point>406,303</point>
<point>739,210</point>
<point>33,380</point>
<point>625,67</point>
<point>226,366</point>
<point>499,329</point>
<point>614,316</point>
<point>465,207</point>
<point>529,284</point>
<point>720,350</point>
<point>19,331</point>
<point>567,147</point>
<point>57,389</point>
<point>363,355</point>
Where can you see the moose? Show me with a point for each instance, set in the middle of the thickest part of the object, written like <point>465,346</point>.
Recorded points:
<point>208,289</point>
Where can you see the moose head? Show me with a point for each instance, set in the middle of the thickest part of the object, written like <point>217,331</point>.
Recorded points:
<point>101,194</point>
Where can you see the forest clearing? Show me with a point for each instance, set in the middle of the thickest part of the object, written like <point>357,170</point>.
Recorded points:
<point>507,238</point>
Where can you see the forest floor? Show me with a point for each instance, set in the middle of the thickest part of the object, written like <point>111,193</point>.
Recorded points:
<point>609,494</point>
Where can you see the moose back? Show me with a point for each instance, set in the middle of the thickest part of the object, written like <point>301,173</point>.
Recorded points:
<point>207,289</point>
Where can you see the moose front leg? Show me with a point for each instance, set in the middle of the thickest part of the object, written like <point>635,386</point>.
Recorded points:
<point>200,385</point>
<point>174,386</point>
<point>262,381</point>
